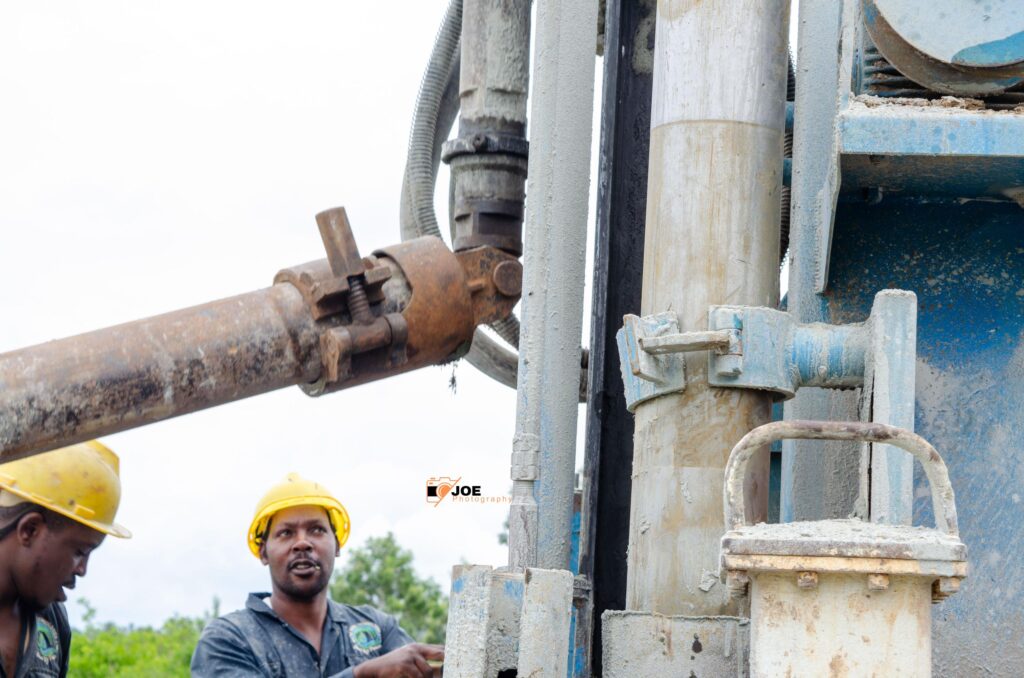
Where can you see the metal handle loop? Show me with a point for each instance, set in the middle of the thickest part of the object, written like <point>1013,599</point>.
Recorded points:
<point>943,501</point>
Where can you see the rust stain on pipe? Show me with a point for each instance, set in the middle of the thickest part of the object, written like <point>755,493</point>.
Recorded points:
<point>408,306</point>
<point>124,376</point>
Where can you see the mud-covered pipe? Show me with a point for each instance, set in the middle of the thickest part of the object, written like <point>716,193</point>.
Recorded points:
<point>544,446</point>
<point>121,377</point>
<point>128,375</point>
<point>488,158</point>
<point>711,237</point>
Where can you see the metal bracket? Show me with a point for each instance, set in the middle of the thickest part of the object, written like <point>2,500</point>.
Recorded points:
<point>648,374</point>
<point>775,353</point>
<point>752,347</point>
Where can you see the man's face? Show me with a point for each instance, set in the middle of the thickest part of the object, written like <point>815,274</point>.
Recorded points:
<point>51,557</point>
<point>300,549</point>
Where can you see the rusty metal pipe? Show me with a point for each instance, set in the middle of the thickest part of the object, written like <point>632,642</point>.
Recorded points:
<point>144,371</point>
<point>316,327</point>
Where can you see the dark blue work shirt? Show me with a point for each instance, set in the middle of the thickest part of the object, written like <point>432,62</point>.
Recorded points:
<point>256,642</point>
<point>45,645</point>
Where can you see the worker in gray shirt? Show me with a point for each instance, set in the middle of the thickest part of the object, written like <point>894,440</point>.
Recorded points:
<point>296,630</point>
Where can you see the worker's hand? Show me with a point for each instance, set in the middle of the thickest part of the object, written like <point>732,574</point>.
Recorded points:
<point>408,661</point>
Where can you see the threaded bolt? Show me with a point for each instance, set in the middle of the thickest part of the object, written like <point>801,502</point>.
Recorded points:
<point>358,303</point>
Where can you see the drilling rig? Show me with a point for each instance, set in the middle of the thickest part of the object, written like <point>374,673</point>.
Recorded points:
<point>820,482</point>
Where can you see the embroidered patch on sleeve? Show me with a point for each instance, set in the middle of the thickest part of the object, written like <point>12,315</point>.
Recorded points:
<point>47,647</point>
<point>365,636</point>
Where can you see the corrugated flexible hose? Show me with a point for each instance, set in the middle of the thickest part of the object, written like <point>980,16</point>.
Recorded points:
<point>437,106</point>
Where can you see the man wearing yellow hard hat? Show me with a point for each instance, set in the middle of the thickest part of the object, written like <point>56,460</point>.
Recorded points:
<point>55,510</point>
<point>297,532</point>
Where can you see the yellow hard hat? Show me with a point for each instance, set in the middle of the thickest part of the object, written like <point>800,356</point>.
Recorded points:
<point>296,491</point>
<point>81,482</point>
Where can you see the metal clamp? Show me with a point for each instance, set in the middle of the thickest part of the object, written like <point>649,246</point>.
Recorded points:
<point>775,353</point>
<point>483,142</point>
<point>758,348</point>
<point>943,499</point>
<point>649,374</point>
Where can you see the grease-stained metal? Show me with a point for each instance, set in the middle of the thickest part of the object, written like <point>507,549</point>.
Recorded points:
<point>494,278</point>
<point>366,331</point>
<point>488,159</point>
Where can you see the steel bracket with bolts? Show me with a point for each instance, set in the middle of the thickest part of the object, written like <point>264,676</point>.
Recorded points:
<point>763,348</point>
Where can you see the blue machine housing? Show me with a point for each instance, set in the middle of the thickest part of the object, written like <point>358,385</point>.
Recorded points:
<point>928,196</point>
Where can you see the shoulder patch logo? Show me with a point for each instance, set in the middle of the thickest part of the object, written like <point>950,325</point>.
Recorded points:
<point>365,636</point>
<point>46,640</point>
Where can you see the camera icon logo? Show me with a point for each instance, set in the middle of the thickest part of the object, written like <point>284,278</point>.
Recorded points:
<point>440,487</point>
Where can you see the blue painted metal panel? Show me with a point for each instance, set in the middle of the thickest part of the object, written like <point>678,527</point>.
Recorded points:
<point>965,261</point>
<point>874,176</point>
<point>578,645</point>
<point>932,130</point>
<point>994,53</point>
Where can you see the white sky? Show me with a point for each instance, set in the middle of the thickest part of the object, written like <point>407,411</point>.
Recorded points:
<point>158,155</point>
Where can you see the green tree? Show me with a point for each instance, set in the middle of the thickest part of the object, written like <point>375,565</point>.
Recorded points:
<point>111,651</point>
<point>380,573</point>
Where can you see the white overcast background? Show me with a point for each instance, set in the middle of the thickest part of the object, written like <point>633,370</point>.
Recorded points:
<point>158,155</point>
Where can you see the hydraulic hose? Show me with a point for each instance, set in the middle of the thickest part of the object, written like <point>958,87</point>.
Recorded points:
<point>437,106</point>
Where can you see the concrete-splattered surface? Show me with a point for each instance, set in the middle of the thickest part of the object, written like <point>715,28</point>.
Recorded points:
<point>965,261</point>
<point>641,644</point>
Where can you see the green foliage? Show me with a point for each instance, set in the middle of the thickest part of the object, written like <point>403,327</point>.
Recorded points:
<point>503,535</point>
<point>110,651</point>
<point>381,574</point>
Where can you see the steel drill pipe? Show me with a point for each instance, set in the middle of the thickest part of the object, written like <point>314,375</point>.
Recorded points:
<point>711,237</point>
<point>125,376</point>
<point>128,375</point>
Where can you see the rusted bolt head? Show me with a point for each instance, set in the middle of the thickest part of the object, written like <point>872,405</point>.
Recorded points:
<point>336,354</point>
<point>807,580</point>
<point>508,278</point>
